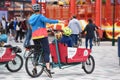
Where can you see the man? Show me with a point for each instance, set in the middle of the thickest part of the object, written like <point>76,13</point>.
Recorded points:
<point>74,25</point>
<point>40,35</point>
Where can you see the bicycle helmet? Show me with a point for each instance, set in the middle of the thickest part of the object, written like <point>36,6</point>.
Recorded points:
<point>36,7</point>
<point>67,31</point>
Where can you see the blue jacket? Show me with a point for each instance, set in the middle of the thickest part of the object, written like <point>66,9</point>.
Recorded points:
<point>66,40</point>
<point>38,23</point>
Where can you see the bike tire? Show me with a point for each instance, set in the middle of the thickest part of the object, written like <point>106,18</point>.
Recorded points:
<point>98,42</point>
<point>90,63</point>
<point>29,66</point>
<point>94,42</point>
<point>14,65</point>
<point>79,42</point>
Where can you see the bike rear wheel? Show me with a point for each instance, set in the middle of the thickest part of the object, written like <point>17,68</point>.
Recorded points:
<point>89,65</point>
<point>80,42</point>
<point>98,42</point>
<point>16,64</point>
<point>30,64</point>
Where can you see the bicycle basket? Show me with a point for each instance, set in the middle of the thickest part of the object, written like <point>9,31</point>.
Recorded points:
<point>17,49</point>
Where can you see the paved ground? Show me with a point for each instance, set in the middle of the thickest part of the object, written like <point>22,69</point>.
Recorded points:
<point>106,67</point>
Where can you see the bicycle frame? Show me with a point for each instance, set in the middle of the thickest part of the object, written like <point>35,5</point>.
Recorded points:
<point>30,49</point>
<point>25,54</point>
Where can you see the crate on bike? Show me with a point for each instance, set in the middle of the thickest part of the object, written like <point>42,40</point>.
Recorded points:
<point>69,54</point>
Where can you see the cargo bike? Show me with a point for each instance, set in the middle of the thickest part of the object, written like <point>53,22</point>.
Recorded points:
<point>62,57</point>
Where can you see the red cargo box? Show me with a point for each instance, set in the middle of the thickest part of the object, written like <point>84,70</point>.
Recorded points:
<point>6,54</point>
<point>69,54</point>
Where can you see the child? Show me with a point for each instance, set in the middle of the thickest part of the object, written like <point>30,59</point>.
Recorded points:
<point>66,39</point>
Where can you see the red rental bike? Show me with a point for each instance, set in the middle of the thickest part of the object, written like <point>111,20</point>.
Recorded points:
<point>10,58</point>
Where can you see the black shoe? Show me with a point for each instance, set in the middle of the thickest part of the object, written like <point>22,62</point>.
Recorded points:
<point>48,72</point>
<point>34,71</point>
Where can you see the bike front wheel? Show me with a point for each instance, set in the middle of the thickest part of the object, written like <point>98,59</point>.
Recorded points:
<point>89,65</point>
<point>31,64</point>
<point>16,64</point>
<point>96,41</point>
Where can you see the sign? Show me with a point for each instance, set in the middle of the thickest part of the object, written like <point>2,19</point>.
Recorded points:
<point>85,53</point>
<point>71,52</point>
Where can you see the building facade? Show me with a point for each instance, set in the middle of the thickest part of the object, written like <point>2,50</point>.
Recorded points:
<point>16,8</point>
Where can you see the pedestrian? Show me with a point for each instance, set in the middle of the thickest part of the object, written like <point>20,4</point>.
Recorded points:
<point>24,28</point>
<point>0,27</point>
<point>89,29</point>
<point>40,35</point>
<point>3,24</point>
<point>28,32</point>
<point>7,27</point>
<point>11,28</point>
<point>15,22</point>
<point>74,25</point>
<point>18,32</point>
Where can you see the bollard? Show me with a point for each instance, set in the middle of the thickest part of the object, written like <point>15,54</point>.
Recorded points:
<point>119,49</point>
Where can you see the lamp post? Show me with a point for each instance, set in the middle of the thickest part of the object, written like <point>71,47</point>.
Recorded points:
<point>113,32</point>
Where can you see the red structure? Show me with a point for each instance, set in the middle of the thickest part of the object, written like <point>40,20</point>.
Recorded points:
<point>98,15</point>
<point>100,12</point>
<point>72,7</point>
<point>33,1</point>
